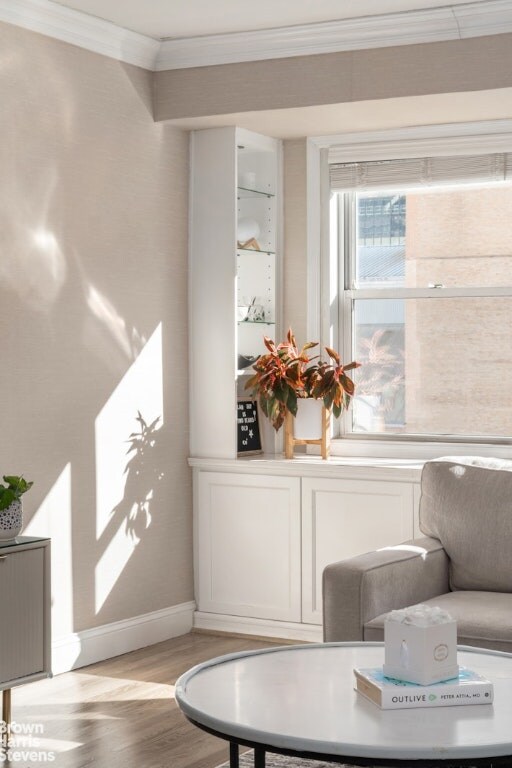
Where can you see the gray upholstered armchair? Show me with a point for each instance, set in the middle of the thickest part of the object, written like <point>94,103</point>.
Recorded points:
<point>463,563</point>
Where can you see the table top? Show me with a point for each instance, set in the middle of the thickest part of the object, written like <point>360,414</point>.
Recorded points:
<point>302,698</point>
<point>21,540</point>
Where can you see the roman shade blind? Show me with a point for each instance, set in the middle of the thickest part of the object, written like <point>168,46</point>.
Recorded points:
<point>420,171</point>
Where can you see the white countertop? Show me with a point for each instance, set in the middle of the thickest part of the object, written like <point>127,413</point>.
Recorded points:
<point>408,470</point>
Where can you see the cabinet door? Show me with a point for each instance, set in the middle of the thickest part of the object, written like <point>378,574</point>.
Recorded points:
<point>344,518</point>
<point>22,605</point>
<point>248,545</point>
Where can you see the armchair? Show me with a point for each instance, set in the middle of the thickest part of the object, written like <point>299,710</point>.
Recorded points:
<point>463,563</point>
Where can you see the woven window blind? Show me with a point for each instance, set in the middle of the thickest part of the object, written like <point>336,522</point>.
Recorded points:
<point>421,171</point>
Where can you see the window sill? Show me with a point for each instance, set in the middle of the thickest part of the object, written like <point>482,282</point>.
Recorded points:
<point>419,450</point>
<point>354,458</point>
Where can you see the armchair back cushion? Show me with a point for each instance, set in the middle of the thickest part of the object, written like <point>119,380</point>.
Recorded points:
<point>466,503</point>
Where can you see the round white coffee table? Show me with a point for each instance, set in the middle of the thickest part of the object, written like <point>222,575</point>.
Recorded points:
<point>300,700</point>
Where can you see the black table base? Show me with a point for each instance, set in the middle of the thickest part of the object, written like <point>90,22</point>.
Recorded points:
<point>260,751</point>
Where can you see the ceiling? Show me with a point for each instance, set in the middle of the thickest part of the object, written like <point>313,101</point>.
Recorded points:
<point>164,19</point>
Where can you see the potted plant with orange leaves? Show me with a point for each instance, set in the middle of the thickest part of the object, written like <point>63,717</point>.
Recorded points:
<point>301,391</point>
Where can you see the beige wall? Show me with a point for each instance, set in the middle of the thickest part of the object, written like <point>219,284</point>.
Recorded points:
<point>93,319</point>
<point>379,73</point>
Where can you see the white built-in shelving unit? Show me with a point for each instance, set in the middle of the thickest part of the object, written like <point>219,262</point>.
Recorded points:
<point>235,186</point>
<point>264,527</point>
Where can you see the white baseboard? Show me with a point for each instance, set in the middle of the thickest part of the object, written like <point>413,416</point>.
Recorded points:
<point>91,645</point>
<point>242,625</point>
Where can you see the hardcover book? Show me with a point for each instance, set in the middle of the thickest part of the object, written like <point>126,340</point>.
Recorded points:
<point>468,688</point>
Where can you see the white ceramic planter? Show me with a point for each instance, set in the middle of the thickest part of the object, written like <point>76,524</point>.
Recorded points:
<point>307,424</point>
<point>11,521</point>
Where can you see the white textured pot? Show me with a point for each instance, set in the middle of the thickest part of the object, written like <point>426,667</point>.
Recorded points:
<point>307,424</point>
<point>11,520</point>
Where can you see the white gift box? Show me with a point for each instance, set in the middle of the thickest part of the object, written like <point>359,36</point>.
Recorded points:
<point>420,645</point>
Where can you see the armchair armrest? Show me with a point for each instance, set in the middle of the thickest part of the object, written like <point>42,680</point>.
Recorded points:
<point>359,589</point>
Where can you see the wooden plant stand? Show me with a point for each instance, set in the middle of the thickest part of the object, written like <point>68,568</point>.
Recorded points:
<point>324,442</point>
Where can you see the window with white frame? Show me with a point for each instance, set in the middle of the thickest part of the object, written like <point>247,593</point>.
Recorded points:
<point>425,248</point>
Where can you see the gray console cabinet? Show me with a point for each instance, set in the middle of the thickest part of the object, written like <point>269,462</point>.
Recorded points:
<point>25,636</point>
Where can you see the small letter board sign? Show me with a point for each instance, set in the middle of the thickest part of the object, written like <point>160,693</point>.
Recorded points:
<point>248,429</point>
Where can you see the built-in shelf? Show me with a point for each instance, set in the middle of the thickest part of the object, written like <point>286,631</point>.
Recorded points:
<point>255,250</point>
<point>236,190</point>
<point>243,192</point>
<point>256,322</point>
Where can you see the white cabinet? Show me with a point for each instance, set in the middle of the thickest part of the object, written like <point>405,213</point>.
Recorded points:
<point>248,545</point>
<point>234,262</point>
<point>25,610</point>
<point>265,530</point>
<point>344,518</point>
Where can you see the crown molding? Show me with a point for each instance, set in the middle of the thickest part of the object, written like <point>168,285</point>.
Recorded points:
<point>474,19</point>
<point>324,37</point>
<point>485,17</point>
<point>484,136</point>
<point>80,29</point>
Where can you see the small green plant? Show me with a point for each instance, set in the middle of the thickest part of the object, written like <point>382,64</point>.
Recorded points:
<point>16,487</point>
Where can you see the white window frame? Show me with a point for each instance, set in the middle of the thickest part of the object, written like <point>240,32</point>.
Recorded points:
<point>441,140</point>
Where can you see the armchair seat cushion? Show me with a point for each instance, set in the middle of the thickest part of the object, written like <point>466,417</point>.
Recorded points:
<point>484,619</point>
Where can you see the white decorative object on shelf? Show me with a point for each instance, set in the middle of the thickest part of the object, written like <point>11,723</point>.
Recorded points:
<point>247,229</point>
<point>256,313</point>
<point>420,645</point>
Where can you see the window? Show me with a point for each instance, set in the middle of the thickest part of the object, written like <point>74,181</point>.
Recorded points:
<point>426,303</point>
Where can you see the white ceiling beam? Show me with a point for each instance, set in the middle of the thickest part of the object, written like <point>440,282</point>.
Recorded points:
<point>474,19</point>
<point>487,17</point>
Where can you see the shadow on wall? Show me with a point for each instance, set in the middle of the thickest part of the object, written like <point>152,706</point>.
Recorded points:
<point>144,474</point>
<point>137,523</point>
<point>117,513</point>
<point>113,541</point>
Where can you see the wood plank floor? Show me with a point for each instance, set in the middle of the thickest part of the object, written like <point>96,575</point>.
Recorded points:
<point>121,713</point>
